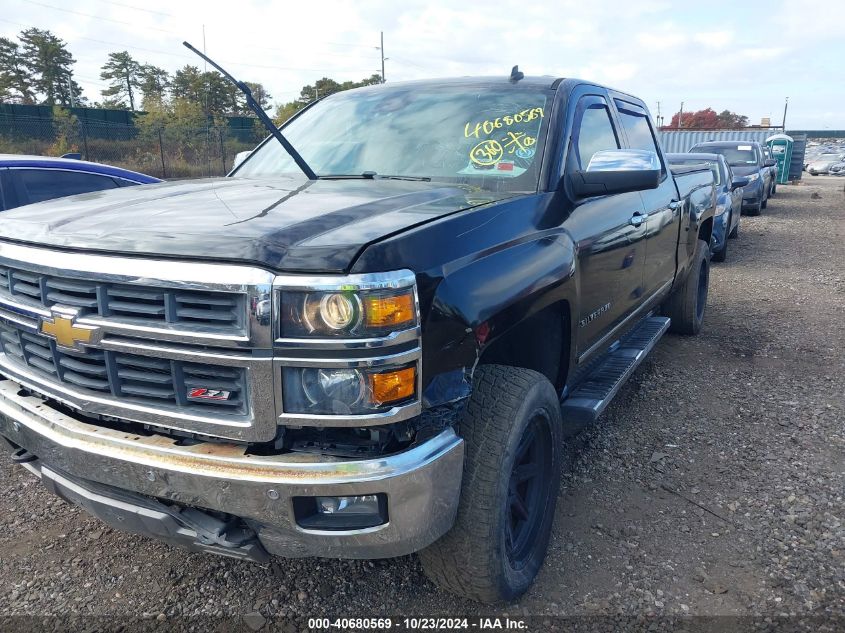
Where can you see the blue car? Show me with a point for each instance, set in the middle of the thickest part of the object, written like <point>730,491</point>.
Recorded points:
<point>30,179</point>
<point>746,159</point>
<point>729,194</point>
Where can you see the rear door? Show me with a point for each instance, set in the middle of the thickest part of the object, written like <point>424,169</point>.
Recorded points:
<point>607,230</point>
<point>663,211</point>
<point>36,184</point>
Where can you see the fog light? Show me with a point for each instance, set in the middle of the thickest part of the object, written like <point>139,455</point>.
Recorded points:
<point>363,504</point>
<point>340,513</point>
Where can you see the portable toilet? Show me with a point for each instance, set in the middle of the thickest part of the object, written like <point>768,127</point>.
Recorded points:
<point>781,146</point>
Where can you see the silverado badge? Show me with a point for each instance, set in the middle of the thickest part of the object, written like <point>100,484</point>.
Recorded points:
<point>61,326</point>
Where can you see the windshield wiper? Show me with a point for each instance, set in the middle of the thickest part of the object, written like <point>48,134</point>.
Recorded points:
<point>371,175</point>
<point>262,116</point>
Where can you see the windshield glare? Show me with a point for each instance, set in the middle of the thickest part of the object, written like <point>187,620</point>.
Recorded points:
<point>490,137</point>
<point>741,155</point>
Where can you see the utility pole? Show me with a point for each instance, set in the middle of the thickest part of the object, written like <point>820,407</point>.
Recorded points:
<point>70,89</point>
<point>681,116</point>
<point>785,106</point>
<point>381,48</point>
<point>658,118</point>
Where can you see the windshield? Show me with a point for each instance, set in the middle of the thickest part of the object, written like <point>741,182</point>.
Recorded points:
<point>739,155</point>
<point>829,156</point>
<point>491,137</point>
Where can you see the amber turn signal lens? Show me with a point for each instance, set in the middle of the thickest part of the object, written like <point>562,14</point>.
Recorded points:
<point>389,311</point>
<point>393,386</point>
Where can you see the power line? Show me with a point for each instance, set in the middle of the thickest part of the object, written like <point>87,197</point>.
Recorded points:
<point>97,17</point>
<point>123,46</point>
<point>129,6</point>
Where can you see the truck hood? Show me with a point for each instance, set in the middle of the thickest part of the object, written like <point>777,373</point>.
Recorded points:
<point>284,224</point>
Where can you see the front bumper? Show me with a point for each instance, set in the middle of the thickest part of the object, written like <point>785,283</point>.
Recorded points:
<point>720,232</point>
<point>752,195</point>
<point>113,473</point>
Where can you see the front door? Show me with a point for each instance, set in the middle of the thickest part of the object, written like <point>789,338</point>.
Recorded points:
<point>608,232</point>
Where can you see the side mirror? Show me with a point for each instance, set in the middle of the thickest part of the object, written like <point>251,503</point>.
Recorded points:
<point>240,157</point>
<point>617,171</point>
<point>739,182</point>
<point>770,162</point>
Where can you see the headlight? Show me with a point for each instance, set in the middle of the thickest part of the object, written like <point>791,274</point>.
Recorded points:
<point>752,177</point>
<point>721,208</point>
<point>347,391</point>
<point>348,314</point>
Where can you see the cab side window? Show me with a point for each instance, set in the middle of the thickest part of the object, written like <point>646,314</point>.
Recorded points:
<point>593,130</point>
<point>36,185</point>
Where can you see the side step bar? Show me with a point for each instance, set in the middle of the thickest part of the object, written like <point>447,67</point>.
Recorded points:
<point>586,402</point>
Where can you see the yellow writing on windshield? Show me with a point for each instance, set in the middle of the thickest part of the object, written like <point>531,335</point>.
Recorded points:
<point>486,153</point>
<point>488,126</point>
<point>518,141</point>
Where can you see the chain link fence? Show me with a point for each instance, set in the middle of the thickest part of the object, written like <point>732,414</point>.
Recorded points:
<point>166,151</point>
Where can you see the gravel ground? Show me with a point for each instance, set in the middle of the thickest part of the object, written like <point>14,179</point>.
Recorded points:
<point>713,485</point>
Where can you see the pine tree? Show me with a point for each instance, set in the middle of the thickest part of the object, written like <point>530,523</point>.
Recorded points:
<point>49,63</point>
<point>15,78</point>
<point>124,74</point>
<point>154,83</point>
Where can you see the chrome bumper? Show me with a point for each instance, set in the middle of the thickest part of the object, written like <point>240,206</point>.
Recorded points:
<point>422,484</point>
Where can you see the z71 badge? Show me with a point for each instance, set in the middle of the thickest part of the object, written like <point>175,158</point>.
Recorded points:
<point>208,394</point>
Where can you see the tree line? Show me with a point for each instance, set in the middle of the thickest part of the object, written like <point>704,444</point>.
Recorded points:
<point>708,119</point>
<point>37,69</point>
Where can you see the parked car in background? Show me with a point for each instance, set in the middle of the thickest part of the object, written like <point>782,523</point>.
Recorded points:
<point>30,179</point>
<point>767,154</point>
<point>728,198</point>
<point>745,159</point>
<point>822,163</point>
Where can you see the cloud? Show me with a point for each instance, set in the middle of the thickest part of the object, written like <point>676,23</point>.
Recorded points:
<point>658,50</point>
<point>714,39</point>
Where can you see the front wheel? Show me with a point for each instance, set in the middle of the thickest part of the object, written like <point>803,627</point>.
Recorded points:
<point>514,443</point>
<point>687,304</point>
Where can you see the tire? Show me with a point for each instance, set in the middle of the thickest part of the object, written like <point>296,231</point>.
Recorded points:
<point>774,188</point>
<point>722,253</point>
<point>757,210</point>
<point>765,203</point>
<point>475,558</point>
<point>687,304</point>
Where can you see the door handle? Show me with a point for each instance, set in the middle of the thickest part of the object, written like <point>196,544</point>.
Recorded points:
<point>637,219</point>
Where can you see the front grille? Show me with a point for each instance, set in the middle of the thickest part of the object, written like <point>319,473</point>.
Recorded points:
<point>130,377</point>
<point>146,304</point>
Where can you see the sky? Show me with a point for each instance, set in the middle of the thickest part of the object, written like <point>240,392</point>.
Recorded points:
<point>745,55</point>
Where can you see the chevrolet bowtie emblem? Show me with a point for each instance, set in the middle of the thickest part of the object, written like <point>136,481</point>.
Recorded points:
<point>61,326</point>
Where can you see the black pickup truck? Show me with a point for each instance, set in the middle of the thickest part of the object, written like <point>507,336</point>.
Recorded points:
<point>384,359</point>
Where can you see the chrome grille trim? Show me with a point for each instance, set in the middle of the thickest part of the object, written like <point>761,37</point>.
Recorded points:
<point>251,348</point>
<point>65,278</point>
<point>129,377</point>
